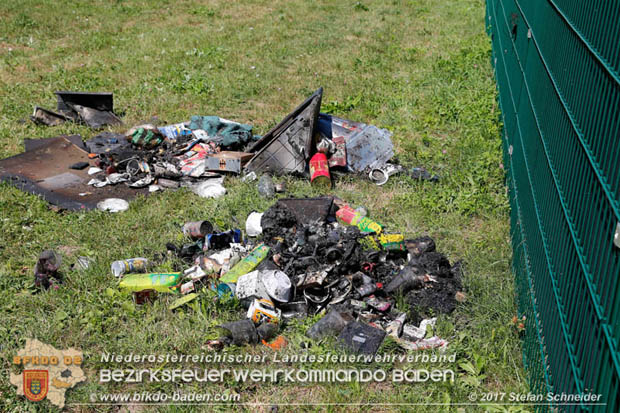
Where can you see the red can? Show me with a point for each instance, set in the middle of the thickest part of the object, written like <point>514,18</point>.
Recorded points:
<point>319,171</point>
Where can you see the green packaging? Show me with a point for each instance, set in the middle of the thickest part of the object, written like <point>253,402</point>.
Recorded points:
<point>246,265</point>
<point>162,282</point>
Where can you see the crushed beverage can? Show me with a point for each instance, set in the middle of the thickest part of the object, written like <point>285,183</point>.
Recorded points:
<point>263,310</point>
<point>131,265</point>
<point>319,171</point>
<point>339,157</point>
<point>325,146</point>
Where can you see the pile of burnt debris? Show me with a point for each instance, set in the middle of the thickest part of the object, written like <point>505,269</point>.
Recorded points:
<point>108,169</point>
<point>306,256</point>
<point>300,258</point>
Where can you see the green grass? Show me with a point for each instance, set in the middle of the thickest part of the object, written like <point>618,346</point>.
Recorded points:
<point>419,68</point>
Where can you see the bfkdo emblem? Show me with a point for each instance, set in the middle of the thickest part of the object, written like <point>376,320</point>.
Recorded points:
<point>35,384</point>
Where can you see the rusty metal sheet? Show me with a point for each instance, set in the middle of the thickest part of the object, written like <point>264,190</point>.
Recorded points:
<point>287,147</point>
<point>31,144</point>
<point>45,171</point>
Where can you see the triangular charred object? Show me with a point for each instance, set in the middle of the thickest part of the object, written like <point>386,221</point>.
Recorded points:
<point>288,147</point>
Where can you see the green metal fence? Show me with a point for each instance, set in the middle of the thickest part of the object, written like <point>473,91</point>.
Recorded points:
<point>557,65</point>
